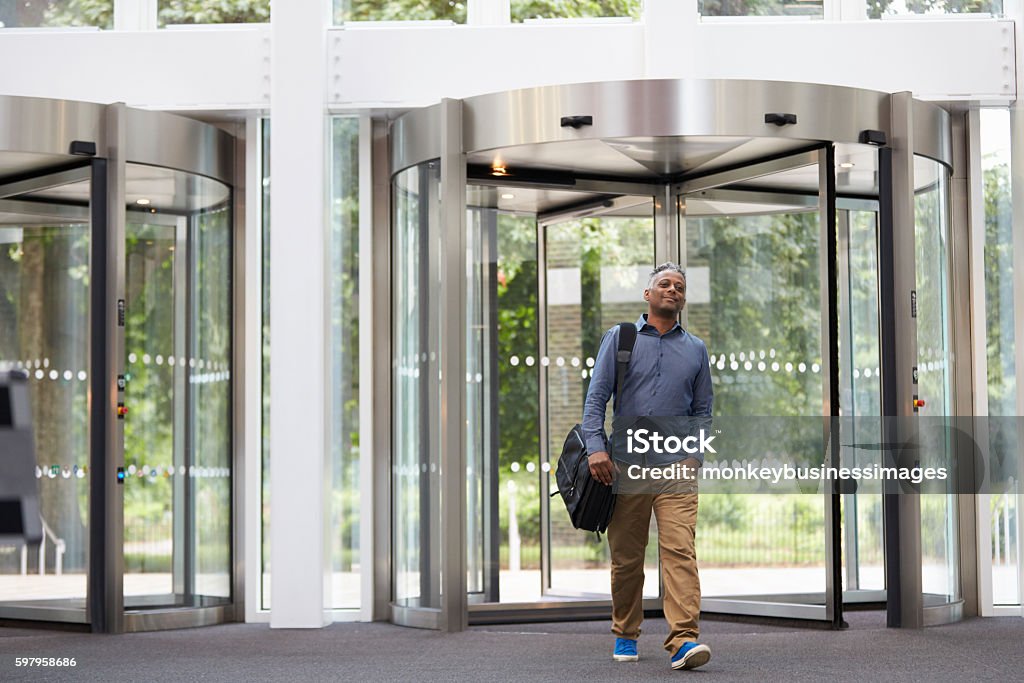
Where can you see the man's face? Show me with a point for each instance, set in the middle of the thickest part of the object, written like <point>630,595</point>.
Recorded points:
<point>668,294</point>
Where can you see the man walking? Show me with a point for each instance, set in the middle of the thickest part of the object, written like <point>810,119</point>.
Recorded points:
<point>669,375</point>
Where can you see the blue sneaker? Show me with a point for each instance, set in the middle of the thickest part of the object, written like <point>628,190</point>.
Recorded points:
<point>690,656</point>
<point>625,650</point>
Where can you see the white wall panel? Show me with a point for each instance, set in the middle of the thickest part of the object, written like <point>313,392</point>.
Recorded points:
<point>934,59</point>
<point>938,60</point>
<point>225,68</point>
<point>403,66</point>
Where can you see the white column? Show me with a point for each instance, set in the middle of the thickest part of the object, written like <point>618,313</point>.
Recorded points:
<point>670,38</point>
<point>135,15</point>
<point>299,471</point>
<point>488,12</point>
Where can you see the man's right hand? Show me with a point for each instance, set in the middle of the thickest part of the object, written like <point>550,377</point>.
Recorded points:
<point>601,467</point>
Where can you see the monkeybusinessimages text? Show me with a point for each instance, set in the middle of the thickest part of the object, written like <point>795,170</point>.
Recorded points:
<point>643,441</point>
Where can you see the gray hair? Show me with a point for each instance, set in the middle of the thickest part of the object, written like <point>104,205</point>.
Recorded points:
<point>668,266</point>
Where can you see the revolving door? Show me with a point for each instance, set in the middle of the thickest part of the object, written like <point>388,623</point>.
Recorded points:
<point>116,300</point>
<point>525,224</point>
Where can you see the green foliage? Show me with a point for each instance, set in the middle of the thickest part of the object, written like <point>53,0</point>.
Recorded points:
<point>213,11</point>
<point>101,12</point>
<point>876,8</point>
<point>727,510</point>
<point>399,10</point>
<point>455,10</point>
<point>519,438</point>
<point>756,8</point>
<point>557,9</point>
<point>999,290</point>
<point>766,295</point>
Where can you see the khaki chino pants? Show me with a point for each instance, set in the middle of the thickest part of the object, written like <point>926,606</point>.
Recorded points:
<point>627,539</point>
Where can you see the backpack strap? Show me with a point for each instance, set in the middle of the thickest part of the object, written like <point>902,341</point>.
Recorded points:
<point>627,340</point>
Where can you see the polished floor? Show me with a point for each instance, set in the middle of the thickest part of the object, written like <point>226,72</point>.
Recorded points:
<point>976,650</point>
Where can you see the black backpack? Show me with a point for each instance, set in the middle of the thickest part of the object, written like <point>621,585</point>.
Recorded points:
<point>589,502</point>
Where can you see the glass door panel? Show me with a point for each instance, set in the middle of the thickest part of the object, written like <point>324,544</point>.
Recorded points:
<point>44,332</point>
<point>596,269</point>
<point>505,472</point>
<point>540,301</point>
<point>755,263</point>
<point>416,473</point>
<point>760,318</point>
<point>177,494</point>
<point>940,576</point>
<point>860,396</point>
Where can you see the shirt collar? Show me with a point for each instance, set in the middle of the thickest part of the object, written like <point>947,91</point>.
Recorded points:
<point>641,323</point>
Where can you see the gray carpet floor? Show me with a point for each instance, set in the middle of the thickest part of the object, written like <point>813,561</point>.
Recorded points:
<point>975,650</point>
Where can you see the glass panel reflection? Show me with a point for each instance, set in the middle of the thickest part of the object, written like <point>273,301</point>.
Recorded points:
<point>416,451</point>
<point>177,495</point>
<point>399,10</point>
<point>939,558</point>
<point>860,396</point>
<point>524,10</point>
<point>754,297</point>
<point>882,8</point>
<point>761,8</point>
<point>44,330</point>
<point>1000,362</point>
<point>597,269</point>
<point>343,362</point>
<point>180,12</point>
<point>56,13</point>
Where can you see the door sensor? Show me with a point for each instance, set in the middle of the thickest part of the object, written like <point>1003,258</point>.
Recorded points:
<point>780,119</point>
<point>577,121</point>
<point>81,148</point>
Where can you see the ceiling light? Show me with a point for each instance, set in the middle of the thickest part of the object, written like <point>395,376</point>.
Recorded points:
<point>508,195</point>
<point>846,164</point>
<point>142,202</point>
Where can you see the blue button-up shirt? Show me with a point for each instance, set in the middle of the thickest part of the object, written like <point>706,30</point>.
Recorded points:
<point>668,375</point>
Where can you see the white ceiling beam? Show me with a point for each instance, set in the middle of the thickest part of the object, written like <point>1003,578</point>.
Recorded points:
<point>403,66</point>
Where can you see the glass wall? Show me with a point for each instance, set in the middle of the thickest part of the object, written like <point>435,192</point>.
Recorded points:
<point>456,10</point>
<point>399,10</point>
<point>882,8</point>
<point>44,330</point>
<point>343,363</point>
<point>172,12</point>
<point>56,13</point>
<point>416,340</point>
<point>177,493</point>
<point>1002,385</point>
<point>524,10</point>
<point>265,367</point>
<point>761,8</point>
